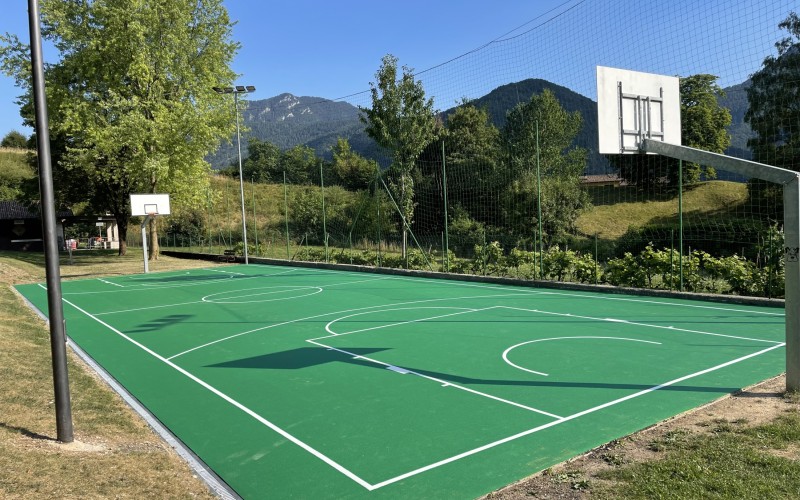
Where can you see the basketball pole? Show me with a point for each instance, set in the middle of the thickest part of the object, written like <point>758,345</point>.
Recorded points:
<point>144,242</point>
<point>790,180</point>
<point>58,338</point>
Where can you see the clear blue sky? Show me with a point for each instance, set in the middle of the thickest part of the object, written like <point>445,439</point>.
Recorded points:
<point>330,49</point>
<point>333,49</point>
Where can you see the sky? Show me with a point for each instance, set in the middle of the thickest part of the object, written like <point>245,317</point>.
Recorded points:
<point>333,49</point>
<point>328,49</point>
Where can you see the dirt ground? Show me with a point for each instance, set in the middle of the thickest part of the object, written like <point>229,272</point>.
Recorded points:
<point>755,405</point>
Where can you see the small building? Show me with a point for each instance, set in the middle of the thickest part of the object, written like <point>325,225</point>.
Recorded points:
<point>21,227</point>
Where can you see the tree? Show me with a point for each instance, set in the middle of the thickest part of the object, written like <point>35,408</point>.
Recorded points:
<point>262,163</point>
<point>14,139</point>
<point>703,126</point>
<point>130,96</point>
<point>472,154</point>
<point>774,115</point>
<point>560,165</point>
<point>300,164</point>
<point>471,163</point>
<point>353,170</point>
<point>401,121</point>
<point>703,122</point>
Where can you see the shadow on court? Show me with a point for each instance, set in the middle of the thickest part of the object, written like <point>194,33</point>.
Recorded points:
<point>307,357</point>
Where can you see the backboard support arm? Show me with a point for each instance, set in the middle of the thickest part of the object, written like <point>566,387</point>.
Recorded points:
<point>790,180</point>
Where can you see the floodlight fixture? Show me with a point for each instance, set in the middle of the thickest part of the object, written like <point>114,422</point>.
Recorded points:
<point>240,89</point>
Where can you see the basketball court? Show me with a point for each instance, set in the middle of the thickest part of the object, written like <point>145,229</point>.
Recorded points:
<point>292,382</point>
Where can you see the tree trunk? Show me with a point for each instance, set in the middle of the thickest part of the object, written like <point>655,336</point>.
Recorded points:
<point>152,240</point>
<point>122,227</point>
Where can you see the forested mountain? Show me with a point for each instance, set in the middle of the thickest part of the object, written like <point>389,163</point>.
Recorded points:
<point>736,101</point>
<point>502,99</point>
<point>287,120</point>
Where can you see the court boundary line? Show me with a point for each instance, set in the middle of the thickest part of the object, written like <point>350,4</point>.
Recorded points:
<point>366,484</point>
<point>637,323</point>
<point>444,383</point>
<point>308,448</point>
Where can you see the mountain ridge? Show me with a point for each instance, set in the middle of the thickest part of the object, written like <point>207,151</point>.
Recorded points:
<point>288,120</point>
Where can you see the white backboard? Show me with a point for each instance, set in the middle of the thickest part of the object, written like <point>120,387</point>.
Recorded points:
<point>632,106</point>
<point>149,204</point>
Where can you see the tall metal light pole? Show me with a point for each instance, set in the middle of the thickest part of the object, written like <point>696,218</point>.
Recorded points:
<point>58,340</point>
<point>239,89</point>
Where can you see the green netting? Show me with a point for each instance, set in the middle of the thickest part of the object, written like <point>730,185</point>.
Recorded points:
<point>511,182</point>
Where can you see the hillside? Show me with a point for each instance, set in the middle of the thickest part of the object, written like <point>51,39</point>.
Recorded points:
<point>736,101</point>
<point>288,120</point>
<point>14,170</point>
<point>502,99</point>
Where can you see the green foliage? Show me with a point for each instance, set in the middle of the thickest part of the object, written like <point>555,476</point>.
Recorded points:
<point>263,162</point>
<point>465,233</point>
<point>704,125</point>
<point>352,170</point>
<point>774,122</point>
<point>541,160</point>
<point>14,171</point>
<point>703,122</point>
<point>129,95</point>
<point>401,121</point>
<point>14,139</point>
<point>777,139</point>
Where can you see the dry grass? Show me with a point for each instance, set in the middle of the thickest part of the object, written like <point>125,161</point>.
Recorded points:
<point>610,221</point>
<point>118,455</point>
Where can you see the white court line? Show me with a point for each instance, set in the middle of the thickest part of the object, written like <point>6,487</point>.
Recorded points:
<point>593,295</point>
<point>231,272</point>
<point>371,487</point>
<point>234,402</point>
<point>110,282</point>
<point>139,287</point>
<point>634,323</point>
<point>322,315</point>
<point>439,381</point>
<point>582,337</point>
<point>463,310</point>
<point>566,419</point>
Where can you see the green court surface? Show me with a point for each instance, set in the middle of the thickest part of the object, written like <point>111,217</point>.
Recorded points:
<point>308,383</point>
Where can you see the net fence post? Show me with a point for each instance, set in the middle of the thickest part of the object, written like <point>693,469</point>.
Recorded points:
<point>446,235</point>
<point>680,225</point>
<point>539,205</point>
<point>324,220</point>
<point>791,217</point>
<point>286,214</point>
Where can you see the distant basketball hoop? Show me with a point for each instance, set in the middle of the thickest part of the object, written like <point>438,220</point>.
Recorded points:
<point>148,206</point>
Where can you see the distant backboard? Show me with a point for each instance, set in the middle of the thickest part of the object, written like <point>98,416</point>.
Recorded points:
<point>149,204</point>
<point>632,106</point>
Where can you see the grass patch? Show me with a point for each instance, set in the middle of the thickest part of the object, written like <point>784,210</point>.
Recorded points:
<point>732,462</point>
<point>617,209</point>
<point>128,460</point>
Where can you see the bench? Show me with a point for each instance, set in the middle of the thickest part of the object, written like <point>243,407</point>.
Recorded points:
<point>228,256</point>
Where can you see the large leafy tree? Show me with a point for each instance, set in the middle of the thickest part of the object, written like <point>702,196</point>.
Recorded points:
<point>469,142</point>
<point>130,96</point>
<point>774,114</point>
<point>352,170</point>
<point>703,122</point>
<point>262,163</point>
<point>14,139</point>
<point>402,121</point>
<point>560,164</point>
<point>703,126</point>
